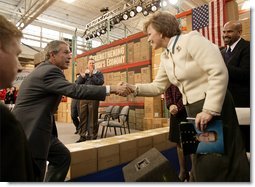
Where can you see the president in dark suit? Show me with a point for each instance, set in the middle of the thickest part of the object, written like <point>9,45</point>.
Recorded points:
<point>39,96</point>
<point>237,58</point>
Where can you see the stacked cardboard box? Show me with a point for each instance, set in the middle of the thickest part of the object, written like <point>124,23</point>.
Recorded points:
<point>130,52</point>
<point>231,11</point>
<point>132,119</point>
<point>81,64</point>
<point>137,51</point>
<point>246,25</point>
<point>145,49</point>
<point>83,160</point>
<point>64,112</point>
<point>139,117</point>
<point>152,107</point>
<point>96,155</point>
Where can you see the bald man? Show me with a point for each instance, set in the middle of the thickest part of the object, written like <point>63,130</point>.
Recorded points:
<point>238,63</point>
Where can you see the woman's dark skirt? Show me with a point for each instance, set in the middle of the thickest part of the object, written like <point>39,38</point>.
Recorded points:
<point>233,165</point>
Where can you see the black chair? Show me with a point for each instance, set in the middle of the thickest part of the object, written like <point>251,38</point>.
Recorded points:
<point>114,114</point>
<point>121,123</point>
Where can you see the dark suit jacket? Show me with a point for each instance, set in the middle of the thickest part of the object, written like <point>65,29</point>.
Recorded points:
<point>38,99</point>
<point>239,73</point>
<point>16,160</point>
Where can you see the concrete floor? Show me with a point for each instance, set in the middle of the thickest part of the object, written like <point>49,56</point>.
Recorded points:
<point>66,133</point>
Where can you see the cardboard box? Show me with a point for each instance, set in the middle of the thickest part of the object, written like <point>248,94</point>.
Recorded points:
<point>152,107</point>
<point>146,74</point>
<point>128,150</point>
<point>83,159</point>
<point>108,154</point>
<point>130,52</point>
<point>231,11</point>
<point>144,144</point>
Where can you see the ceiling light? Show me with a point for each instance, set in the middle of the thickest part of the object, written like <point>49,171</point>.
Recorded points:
<point>163,4</point>
<point>91,36</point>
<point>125,16</point>
<point>173,2</point>
<point>94,34</point>
<point>139,8</point>
<point>69,1</point>
<point>112,22</point>
<point>102,31</point>
<point>117,19</point>
<point>132,13</point>
<point>154,8</point>
<point>145,13</point>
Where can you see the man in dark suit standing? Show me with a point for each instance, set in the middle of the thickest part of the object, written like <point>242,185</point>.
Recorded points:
<point>237,58</point>
<point>39,96</point>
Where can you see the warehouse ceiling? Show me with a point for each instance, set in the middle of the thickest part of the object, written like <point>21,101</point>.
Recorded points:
<point>82,15</point>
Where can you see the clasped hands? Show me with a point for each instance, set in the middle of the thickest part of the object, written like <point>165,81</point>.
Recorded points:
<point>123,89</point>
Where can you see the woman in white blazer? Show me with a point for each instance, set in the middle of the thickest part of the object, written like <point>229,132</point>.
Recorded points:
<point>196,67</point>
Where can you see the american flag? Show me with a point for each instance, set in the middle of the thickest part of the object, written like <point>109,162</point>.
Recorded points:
<point>209,20</point>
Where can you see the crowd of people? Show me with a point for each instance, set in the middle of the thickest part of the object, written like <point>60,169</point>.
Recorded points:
<point>200,72</point>
<point>8,95</point>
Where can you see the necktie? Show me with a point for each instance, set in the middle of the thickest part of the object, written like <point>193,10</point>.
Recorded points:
<point>228,54</point>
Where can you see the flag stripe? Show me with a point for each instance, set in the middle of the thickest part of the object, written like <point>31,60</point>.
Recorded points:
<point>208,19</point>
<point>218,26</point>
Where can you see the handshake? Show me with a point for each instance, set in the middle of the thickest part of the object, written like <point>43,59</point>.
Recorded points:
<point>123,89</point>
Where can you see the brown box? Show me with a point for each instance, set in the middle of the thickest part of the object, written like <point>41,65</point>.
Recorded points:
<point>138,78</point>
<point>61,117</point>
<point>145,52</point>
<point>128,150</point>
<point>137,52</point>
<point>246,26</point>
<point>123,76</point>
<point>144,144</point>
<point>68,118</point>
<point>130,52</point>
<point>146,74</point>
<point>247,37</point>
<point>83,159</point>
<point>147,123</point>
<point>82,169</point>
<point>131,77</point>
<point>152,107</point>
<point>108,154</point>
<point>160,141</point>
<point>139,123</point>
<point>231,11</point>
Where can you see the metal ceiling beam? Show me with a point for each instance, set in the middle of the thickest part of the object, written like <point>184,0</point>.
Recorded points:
<point>33,13</point>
